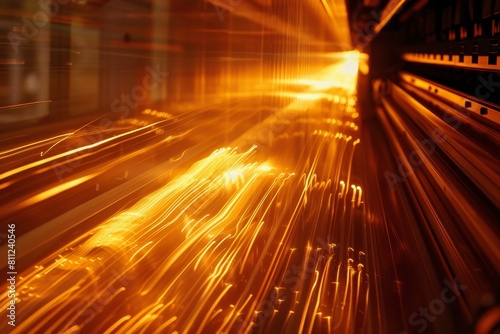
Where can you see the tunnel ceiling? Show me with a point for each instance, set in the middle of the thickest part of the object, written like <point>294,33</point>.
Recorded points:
<point>321,23</point>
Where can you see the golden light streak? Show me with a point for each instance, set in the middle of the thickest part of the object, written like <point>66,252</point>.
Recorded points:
<point>55,190</point>
<point>71,152</point>
<point>217,246</point>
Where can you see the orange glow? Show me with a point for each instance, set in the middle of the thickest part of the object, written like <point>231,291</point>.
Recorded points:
<point>227,166</point>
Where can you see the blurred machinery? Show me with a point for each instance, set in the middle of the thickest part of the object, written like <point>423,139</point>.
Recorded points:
<point>244,166</point>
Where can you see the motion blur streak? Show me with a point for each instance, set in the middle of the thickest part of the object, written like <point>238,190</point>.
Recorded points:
<point>254,190</point>
<point>210,232</point>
